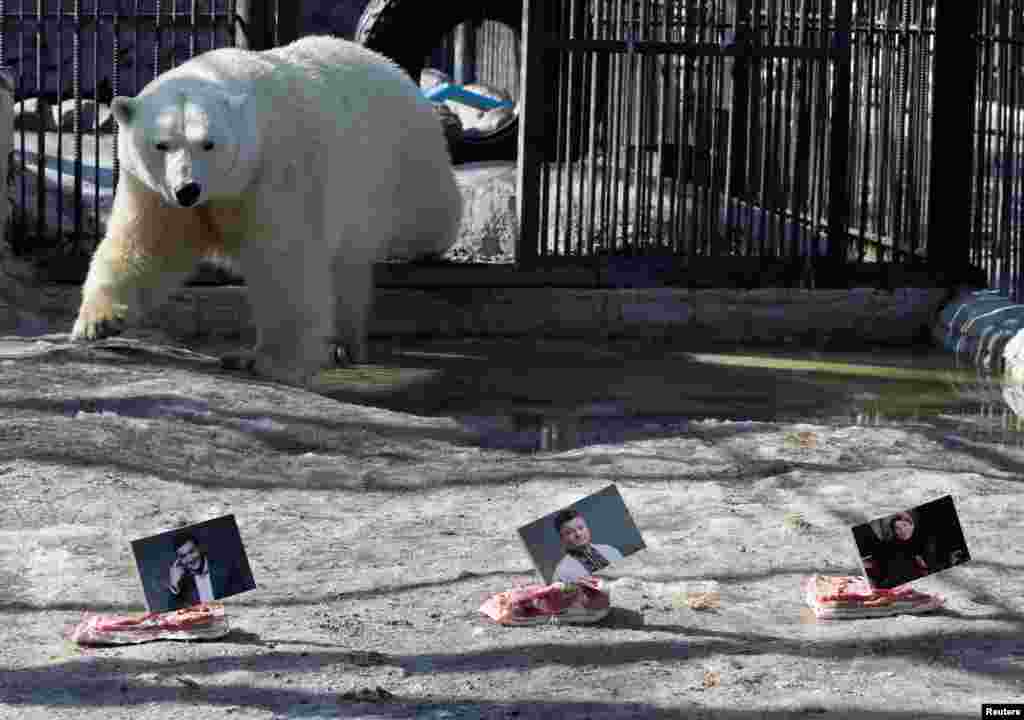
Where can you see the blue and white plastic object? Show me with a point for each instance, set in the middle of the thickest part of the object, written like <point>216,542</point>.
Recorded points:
<point>450,91</point>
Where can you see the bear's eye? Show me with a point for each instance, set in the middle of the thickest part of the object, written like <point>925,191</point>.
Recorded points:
<point>161,146</point>
<point>208,145</point>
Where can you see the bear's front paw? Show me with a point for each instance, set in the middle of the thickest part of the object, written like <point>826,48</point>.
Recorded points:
<point>97,319</point>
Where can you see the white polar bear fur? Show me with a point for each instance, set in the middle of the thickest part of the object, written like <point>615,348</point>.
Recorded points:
<point>312,161</point>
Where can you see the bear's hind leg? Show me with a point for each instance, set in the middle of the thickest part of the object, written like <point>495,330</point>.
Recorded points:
<point>353,301</point>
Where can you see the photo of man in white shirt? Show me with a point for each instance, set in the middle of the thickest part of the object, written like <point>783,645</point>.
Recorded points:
<point>582,557</point>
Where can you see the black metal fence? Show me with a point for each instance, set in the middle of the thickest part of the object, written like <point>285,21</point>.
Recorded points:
<point>997,218</point>
<point>768,129</point>
<point>70,59</point>
<point>878,131</point>
<point>735,127</point>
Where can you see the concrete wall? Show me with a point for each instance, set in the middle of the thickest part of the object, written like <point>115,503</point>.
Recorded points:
<point>777,316</point>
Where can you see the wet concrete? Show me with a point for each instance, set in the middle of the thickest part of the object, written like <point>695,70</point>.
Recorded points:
<point>557,395</point>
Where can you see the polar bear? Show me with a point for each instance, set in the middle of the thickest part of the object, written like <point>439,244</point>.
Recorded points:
<point>304,164</point>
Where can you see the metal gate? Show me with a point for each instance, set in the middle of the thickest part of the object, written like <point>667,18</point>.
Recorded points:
<point>696,128</point>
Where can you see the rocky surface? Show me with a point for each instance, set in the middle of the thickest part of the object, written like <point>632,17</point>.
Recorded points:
<point>377,520</point>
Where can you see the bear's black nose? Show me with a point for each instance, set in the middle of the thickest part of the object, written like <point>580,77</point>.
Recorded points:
<point>188,193</point>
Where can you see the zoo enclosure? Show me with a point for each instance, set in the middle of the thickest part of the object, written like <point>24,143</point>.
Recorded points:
<point>808,134</point>
<point>767,137</point>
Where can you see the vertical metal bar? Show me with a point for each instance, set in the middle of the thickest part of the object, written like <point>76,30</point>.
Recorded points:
<point>531,130</point>
<point>136,51</point>
<point>868,189</point>
<point>629,141</point>
<point>254,17</point>
<point>952,121</point>
<point>663,63</point>
<point>175,33</point>
<point>592,150</point>
<point>860,109</point>
<point>19,88</point>
<point>76,89</point>
<point>609,191</point>
<point>691,90</point>
<point>618,182</point>
<point>286,24</point>
<point>97,29</point>
<point>801,101</point>
<point>789,149</point>
<point>157,38</point>
<point>22,180</point>
<point>638,117</point>
<point>573,121</point>
<point>243,23</point>
<point>839,195</point>
<point>193,29</point>
<point>740,119</point>
<point>40,130</point>
<point>755,131</point>
<point>708,198</point>
<point>562,152</point>
<point>915,191</point>
<point>61,18</point>
<point>115,85</point>
<point>1015,140</point>
<point>465,53</point>
<point>901,60</point>
<point>822,118</point>
<point>982,144</point>
<point>582,135</point>
<point>1001,238</point>
<point>670,163</point>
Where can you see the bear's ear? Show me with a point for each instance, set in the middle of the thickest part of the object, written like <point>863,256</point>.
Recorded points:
<point>236,102</point>
<point>123,109</point>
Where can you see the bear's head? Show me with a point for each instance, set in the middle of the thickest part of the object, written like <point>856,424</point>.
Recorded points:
<point>184,143</point>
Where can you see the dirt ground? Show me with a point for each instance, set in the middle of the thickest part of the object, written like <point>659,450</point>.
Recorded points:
<point>379,512</point>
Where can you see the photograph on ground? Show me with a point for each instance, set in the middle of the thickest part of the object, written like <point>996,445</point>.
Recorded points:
<point>582,539</point>
<point>896,549</point>
<point>193,564</point>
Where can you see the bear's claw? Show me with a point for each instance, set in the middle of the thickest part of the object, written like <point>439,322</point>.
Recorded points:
<point>97,329</point>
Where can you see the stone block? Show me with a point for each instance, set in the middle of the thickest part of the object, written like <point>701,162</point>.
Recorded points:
<point>648,311</point>
<point>404,312</point>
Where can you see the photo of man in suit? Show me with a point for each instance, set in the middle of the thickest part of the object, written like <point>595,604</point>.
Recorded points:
<point>193,564</point>
<point>193,579</point>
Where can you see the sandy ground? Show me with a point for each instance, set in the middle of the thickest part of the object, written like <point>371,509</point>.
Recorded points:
<point>379,512</point>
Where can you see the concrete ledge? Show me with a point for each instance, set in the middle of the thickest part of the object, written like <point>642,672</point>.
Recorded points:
<point>762,316</point>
